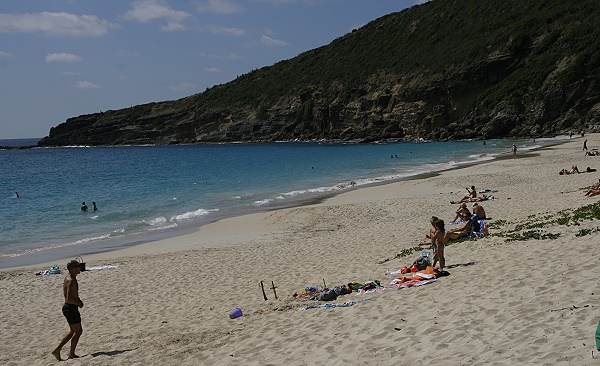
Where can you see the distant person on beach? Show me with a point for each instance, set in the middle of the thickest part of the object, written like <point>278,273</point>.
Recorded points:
<point>94,205</point>
<point>438,241</point>
<point>514,150</point>
<point>17,193</point>
<point>478,211</point>
<point>84,207</point>
<point>585,145</point>
<point>71,310</point>
<point>573,170</point>
<point>468,198</point>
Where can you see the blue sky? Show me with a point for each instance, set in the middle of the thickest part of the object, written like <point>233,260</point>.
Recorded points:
<point>65,58</point>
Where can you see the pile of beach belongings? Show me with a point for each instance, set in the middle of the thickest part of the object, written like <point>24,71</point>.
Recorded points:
<point>321,293</point>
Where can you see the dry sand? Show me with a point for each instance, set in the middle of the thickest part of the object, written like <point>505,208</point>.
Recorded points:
<point>532,302</point>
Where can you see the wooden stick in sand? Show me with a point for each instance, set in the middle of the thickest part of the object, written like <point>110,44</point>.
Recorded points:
<point>263,290</point>
<point>273,287</point>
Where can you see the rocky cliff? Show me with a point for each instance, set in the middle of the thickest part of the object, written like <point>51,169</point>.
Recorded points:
<point>447,69</point>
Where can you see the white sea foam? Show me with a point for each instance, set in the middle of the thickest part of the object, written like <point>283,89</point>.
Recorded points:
<point>54,246</point>
<point>191,215</point>
<point>263,202</point>
<point>156,221</point>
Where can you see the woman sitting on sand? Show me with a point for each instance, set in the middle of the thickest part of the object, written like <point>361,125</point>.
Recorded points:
<point>462,213</point>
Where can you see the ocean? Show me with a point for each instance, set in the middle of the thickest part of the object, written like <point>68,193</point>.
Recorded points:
<point>144,193</point>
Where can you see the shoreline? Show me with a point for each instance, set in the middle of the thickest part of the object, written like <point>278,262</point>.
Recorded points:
<point>505,302</point>
<point>154,241</point>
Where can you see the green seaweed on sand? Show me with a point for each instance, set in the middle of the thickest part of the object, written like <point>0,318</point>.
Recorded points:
<point>403,253</point>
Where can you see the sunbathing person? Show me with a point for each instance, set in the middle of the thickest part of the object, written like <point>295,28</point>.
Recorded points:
<point>462,213</point>
<point>592,192</point>
<point>573,170</point>
<point>478,211</point>
<point>482,198</point>
<point>464,231</point>
<point>594,189</point>
<point>469,198</point>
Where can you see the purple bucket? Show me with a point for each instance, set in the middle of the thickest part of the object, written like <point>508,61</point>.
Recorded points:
<point>236,313</point>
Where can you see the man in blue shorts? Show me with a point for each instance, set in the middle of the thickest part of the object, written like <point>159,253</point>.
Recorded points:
<point>71,310</point>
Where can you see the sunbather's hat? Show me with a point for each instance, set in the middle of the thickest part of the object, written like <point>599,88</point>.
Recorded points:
<point>474,204</point>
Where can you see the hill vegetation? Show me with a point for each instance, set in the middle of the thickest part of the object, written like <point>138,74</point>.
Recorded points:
<point>446,69</point>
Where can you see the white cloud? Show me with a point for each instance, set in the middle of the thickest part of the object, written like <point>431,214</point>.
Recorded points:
<point>56,24</point>
<point>215,29</point>
<point>86,85</point>
<point>219,7</point>
<point>145,11</point>
<point>212,69</point>
<point>71,73</point>
<point>272,42</point>
<point>230,56</point>
<point>182,87</point>
<point>5,54</point>
<point>63,57</point>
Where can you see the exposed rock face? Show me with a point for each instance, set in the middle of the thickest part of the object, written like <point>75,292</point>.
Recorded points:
<point>534,83</point>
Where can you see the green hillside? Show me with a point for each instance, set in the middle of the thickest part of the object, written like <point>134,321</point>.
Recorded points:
<point>447,69</point>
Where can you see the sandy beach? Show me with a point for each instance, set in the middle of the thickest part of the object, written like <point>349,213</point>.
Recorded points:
<point>524,302</point>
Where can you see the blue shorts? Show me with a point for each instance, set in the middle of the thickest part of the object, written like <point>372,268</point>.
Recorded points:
<point>71,312</point>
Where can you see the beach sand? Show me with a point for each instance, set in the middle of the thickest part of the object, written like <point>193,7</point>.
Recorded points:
<point>525,302</point>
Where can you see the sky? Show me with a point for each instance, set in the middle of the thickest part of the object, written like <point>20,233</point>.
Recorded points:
<point>65,58</point>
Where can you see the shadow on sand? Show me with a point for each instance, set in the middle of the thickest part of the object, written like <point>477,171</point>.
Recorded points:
<point>111,353</point>
<point>460,265</point>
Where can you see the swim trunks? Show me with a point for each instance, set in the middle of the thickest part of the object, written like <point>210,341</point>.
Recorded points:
<point>71,312</point>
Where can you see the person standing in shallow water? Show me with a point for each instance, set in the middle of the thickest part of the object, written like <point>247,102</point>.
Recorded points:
<point>94,206</point>
<point>71,310</point>
<point>84,207</point>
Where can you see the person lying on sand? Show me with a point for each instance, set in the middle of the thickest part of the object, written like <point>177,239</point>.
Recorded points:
<point>573,170</point>
<point>472,194</point>
<point>482,198</point>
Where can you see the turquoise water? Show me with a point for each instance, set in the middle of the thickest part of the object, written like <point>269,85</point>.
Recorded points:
<point>147,192</point>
